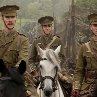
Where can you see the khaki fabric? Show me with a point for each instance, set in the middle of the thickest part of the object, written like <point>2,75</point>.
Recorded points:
<point>17,47</point>
<point>14,47</point>
<point>86,67</point>
<point>43,42</point>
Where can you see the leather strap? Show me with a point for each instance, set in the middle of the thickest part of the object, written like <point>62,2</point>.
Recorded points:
<point>54,38</point>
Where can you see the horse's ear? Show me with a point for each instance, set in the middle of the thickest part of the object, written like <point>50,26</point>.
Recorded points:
<point>40,51</point>
<point>2,66</point>
<point>57,50</point>
<point>22,67</point>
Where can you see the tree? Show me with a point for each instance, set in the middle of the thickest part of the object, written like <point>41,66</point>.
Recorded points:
<point>90,4</point>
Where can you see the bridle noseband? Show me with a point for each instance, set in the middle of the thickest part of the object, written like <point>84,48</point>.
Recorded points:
<point>54,80</point>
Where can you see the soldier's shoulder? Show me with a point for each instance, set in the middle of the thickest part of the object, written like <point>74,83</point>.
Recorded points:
<point>37,38</point>
<point>22,37</point>
<point>21,34</point>
<point>84,46</point>
<point>56,36</point>
<point>87,45</point>
<point>1,32</point>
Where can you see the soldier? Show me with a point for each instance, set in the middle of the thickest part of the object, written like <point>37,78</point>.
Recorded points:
<point>86,67</point>
<point>13,45</point>
<point>46,40</point>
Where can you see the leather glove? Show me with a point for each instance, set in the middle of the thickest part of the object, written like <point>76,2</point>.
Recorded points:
<point>75,93</point>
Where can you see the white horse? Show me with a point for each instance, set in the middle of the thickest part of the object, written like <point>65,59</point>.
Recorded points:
<point>49,67</point>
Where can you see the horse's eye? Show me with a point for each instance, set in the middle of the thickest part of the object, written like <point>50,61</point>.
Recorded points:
<point>40,66</point>
<point>44,58</point>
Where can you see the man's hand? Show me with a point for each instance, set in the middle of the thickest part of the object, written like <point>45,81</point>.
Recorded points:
<point>75,93</point>
<point>62,77</point>
<point>36,81</point>
<point>28,93</point>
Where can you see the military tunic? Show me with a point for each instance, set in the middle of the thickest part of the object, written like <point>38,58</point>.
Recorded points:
<point>86,68</point>
<point>13,47</point>
<point>43,42</point>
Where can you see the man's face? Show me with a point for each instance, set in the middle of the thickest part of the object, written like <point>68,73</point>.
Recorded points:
<point>9,21</point>
<point>47,28</point>
<point>93,28</point>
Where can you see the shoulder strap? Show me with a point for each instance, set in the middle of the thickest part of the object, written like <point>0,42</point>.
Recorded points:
<point>52,41</point>
<point>6,48</point>
<point>88,47</point>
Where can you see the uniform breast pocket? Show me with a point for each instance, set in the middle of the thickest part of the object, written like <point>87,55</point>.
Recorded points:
<point>88,56</point>
<point>11,55</point>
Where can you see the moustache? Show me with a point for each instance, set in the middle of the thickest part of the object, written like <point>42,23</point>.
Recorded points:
<point>10,23</point>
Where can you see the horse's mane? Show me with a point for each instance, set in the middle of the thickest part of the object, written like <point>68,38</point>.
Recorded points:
<point>53,58</point>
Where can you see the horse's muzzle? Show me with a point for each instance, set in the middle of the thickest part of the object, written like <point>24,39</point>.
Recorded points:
<point>48,92</point>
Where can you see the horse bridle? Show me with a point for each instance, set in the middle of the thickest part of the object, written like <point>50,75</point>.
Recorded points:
<point>54,80</point>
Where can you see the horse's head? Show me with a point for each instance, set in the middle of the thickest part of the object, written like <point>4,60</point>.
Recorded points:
<point>49,65</point>
<point>11,80</point>
<point>21,68</point>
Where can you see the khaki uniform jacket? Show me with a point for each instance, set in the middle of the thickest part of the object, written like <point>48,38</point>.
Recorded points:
<point>13,48</point>
<point>43,41</point>
<point>86,65</point>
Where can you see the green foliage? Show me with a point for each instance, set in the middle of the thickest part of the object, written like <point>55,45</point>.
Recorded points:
<point>34,9</point>
<point>87,3</point>
<point>21,22</point>
<point>38,9</point>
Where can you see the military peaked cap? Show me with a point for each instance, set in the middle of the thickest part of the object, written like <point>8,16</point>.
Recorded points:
<point>92,18</point>
<point>46,20</point>
<point>9,10</point>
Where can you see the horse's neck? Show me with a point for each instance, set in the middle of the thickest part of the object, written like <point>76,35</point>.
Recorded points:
<point>57,93</point>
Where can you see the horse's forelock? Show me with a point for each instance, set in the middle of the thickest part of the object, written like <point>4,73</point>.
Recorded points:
<point>53,58</point>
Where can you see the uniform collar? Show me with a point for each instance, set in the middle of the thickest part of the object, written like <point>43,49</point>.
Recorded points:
<point>93,38</point>
<point>93,42</point>
<point>46,37</point>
